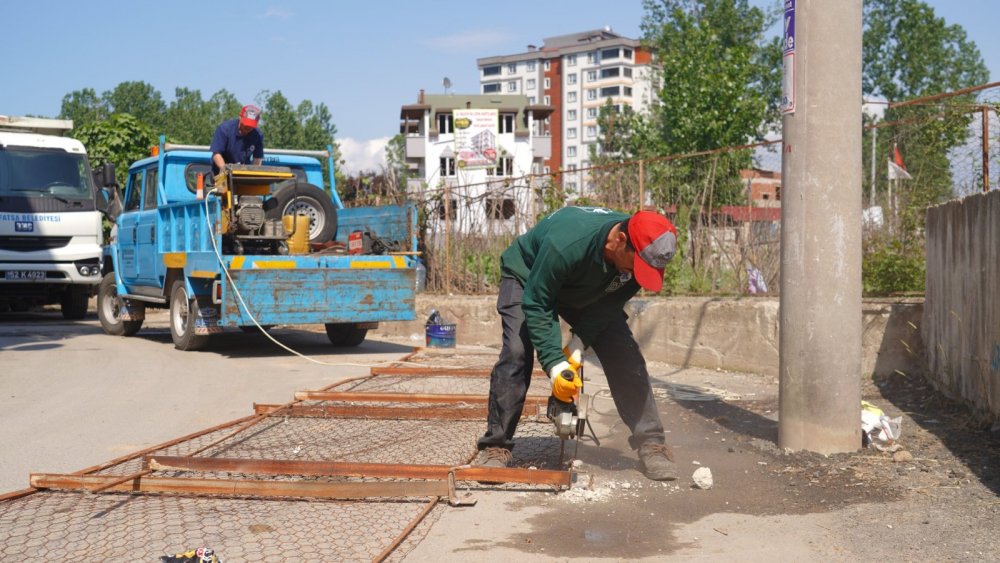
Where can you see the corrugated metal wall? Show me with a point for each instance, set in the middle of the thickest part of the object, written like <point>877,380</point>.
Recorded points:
<point>961,324</point>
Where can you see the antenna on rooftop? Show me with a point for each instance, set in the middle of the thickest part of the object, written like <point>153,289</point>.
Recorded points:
<point>446,83</point>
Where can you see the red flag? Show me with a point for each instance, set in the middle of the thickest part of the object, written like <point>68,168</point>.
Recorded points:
<point>897,158</point>
<point>896,169</point>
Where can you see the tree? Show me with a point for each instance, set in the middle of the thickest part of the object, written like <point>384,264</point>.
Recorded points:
<point>719,74</point>
<point>121,140</point>
<point>139,99</point>
<point>909,52</point>
<point>83,107</point>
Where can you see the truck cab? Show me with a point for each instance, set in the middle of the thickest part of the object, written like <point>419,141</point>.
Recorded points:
<point>50,218</point>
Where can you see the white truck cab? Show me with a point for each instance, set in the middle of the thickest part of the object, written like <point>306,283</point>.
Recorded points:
<point>50,218</point>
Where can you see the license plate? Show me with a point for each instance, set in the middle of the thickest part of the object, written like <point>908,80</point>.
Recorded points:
<point>33,275</point>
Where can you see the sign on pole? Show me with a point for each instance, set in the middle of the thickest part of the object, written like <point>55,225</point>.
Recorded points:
<point>788,60</point>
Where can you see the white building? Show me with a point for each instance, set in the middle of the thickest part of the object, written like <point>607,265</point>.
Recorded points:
<point>486,200</point>
<point>576,74</point>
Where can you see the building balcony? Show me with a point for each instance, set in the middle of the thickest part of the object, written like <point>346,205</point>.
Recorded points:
<point>541,146</point>
<point>416,146</point>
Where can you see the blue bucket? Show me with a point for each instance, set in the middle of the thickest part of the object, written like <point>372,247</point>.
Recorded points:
<point>441,336</point>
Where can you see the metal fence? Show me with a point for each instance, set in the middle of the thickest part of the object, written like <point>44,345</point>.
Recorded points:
<point>725,202</point>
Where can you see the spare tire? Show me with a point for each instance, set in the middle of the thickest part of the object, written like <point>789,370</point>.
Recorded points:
<point>305,199</point>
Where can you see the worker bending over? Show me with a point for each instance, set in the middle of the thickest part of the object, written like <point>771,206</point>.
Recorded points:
<point>582,264</point>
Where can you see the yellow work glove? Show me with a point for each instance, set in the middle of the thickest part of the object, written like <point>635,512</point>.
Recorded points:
<point>574,351</point>
<point>566,390</point>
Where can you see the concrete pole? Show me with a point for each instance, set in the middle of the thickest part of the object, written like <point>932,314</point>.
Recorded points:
<point>820,342</point>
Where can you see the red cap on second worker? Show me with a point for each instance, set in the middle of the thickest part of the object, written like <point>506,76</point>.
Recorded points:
<point>249,116</point>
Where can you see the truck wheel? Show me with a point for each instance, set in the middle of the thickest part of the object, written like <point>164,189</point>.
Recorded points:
<point>305,199</point>
<point>183,314</point>
<point>109,307</point>
<point>345,335</point>
<point>74,302</point>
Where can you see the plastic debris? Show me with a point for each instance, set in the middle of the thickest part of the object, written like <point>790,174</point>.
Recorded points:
<point>877,429</point>
<point>199,555</point>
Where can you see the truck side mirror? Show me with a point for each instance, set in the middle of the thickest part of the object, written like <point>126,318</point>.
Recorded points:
<point>109,202</point>
<point>104,175</point>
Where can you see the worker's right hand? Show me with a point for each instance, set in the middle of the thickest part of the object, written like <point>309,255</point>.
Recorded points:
<point>574,351</point>
<point>566,390</point>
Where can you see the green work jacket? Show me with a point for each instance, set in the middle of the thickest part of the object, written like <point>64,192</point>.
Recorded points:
<point>560,263</point>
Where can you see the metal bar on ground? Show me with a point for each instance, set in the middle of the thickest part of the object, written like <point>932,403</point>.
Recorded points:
<point>360,397</point>
<point>391,413</point>
<point>243,487</point>
<point>441,372</point>
<point>343,469</point>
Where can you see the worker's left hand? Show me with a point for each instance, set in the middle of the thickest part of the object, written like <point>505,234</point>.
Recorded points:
<point>566,390</point>
<point>574,351</point>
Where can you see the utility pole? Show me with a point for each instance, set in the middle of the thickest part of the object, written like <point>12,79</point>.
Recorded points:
<point>820,315</point>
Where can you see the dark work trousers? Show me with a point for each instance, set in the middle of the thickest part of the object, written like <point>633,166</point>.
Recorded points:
<point>616,348</point>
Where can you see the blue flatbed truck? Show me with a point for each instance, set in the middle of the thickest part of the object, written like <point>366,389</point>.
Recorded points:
<point>220,257</point>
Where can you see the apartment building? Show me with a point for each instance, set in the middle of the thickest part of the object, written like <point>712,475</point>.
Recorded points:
<point>575,74</point>
<point>481,198</point>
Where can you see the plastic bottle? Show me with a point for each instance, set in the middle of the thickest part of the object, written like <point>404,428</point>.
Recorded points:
<point>421,276</point>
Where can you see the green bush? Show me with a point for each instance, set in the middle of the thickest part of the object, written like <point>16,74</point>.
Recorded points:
<point>889,270</point>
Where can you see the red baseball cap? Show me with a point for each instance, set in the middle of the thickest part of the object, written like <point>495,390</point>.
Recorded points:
<point>249,116</point>
<point>655,241</point>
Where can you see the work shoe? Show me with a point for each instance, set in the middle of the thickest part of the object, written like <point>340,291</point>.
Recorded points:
<point>657,462</point>
<point>493,457</point>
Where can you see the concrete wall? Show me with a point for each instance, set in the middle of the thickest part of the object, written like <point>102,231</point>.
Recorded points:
<point>739,334</point>
<point>961,324</point>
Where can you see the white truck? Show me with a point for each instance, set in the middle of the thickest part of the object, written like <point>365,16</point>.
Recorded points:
<point>50,217</point>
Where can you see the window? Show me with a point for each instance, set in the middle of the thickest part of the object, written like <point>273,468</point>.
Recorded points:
<point>548,65</point>
<point>451,209</point>
<point>491,88</point>
<point>591,113</point>
<point>628,91</point>
<point>571,133</point>
<point>590,57</point>
<point>149,200</point>
<point>591,131</point>
<point>571,186</point>
<point>627,53</point>
<point>445,123</point>
<point>547,101</point>
<point>547,83</point>
<point>571,78</point>
<point>571,167</point>
<point>506,123</point>
<point>447,166</point>
<point>571,152</point>
<point>530,65</point>
<point>497,208</point>
<point>511,68</point>
<point>530,84</point>
<point>627,72</point>
<point>571,97</point>
<point>610,72</point>
<point>512,86</point>
<point>592,94</point>
<point>491,70</point>
<point>609,54</point>
<point>591,76</point>
<point>531,100</point>
<point>505,167</point>
<point>571,115</point>
<point>610,91</point>
<point>134,191</point>
<point>548,170</point>
<point>570,60</point>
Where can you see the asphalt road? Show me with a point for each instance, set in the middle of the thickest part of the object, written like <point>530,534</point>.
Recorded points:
<point>72,396</point>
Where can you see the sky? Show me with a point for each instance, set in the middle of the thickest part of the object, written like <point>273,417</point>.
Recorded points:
<point>364,60</point>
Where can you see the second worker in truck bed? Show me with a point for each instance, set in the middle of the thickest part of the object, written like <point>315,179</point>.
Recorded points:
<point>582,264</point>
